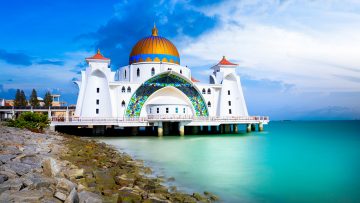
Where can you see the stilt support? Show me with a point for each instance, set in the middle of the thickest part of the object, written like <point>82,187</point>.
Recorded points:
<point>181,129</point>
<point>160,129</point>
<point>227,128</point>
<point>261,126</point>
<point>236,128</point>
<point>248,128</point>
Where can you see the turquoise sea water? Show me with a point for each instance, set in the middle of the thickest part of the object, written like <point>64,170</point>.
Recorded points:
<point>316,161</point>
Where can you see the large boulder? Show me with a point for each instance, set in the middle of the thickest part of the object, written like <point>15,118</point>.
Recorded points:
<point>50,167</point>
<point>74,173</point>
<point>22,196</point>
<point>65,185</point>
<point>73,197</point>
<point>89,197</point>
<point>20,168</point>
<point>12,184</point>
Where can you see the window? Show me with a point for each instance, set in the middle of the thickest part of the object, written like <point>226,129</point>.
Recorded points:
<point>97,111</point>
<point>229,103</point>
<point>125,74</point>
<point>167,110</point>
<point>184,110</point>
<point>97,90</point>
<point>152,71</point>
<point>209,104</point>
<point>229,111</point>
<point>123,89</point>
<point>150,110</point>
<point>204,91</point>
<point>97,102</point>
<point>228,92</point>
<point>123,103</point>
<point>176,110</point>
<point>138,72</point>
<point>169,68</point>
<point>129,89</point>
<point>180,71</point>
<point>209,91</point>
<point>157,110</point>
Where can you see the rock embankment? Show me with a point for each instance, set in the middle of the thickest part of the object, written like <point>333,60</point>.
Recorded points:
<point>53,167</point>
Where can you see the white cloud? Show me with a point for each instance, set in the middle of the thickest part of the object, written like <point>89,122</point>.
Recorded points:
<point>313,45</point>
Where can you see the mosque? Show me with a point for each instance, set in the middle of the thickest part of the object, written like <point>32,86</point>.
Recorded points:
<point>155,91</point>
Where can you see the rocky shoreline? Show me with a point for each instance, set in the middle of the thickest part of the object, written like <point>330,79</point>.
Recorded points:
<point>55,167</point>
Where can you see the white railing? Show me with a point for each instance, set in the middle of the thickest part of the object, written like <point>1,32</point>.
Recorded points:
<point>158,118</point>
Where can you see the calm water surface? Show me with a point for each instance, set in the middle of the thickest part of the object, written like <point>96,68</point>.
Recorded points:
<point>288,162</point>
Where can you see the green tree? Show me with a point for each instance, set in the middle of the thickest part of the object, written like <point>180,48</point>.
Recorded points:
<point>23,101</point>
<point>48,99</point>
<point>17,99</point>
<point>34,102</point>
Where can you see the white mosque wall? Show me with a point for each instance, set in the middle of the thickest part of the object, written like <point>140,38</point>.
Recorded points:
<point>232,102</point>
<point>140,72</point>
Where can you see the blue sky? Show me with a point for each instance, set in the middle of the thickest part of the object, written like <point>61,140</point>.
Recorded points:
<point>298,59</point>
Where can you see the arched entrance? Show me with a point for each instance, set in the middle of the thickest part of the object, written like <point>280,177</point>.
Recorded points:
<point>167,79</point>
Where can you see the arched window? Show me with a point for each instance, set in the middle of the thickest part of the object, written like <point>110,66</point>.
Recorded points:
<point>209,104</point>
<point>209,91</point>
<point>123,103</point>
<point>152,71</point>
<point>204,91</point>
<point>123,89</point>
<point>138,72</point>
<point>129,89</point>
<point>180,71</point>
<point>125,74</point>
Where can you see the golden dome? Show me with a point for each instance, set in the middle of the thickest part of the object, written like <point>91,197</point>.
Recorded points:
<point>154,48</point>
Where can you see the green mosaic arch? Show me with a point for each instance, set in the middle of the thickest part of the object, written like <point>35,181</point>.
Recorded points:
<point>140,96</point>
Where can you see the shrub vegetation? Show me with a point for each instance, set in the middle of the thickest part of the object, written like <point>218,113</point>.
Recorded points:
<point>36,122</point>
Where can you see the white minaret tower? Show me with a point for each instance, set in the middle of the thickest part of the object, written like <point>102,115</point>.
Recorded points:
<point>231,100</point>
<point>94,86</point>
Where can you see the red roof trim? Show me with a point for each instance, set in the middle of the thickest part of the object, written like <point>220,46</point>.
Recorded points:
<point>194,80</point>
<point>226,62</point>
<point>98,56</point>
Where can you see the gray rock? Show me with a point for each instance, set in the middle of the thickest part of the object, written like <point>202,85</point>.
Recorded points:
<point>8,172</point>
<point>50,167</point>
<point>89,197</point>
<point>65,185</point>
<point>31,160</point>
<point>42,183</point>
<point>4,158</point>
<point>12,184</point>
<point>20,168</point>
<point>21,196</point>
<point>73,197</point>
<point>3,178</point>
<point>60,196</point>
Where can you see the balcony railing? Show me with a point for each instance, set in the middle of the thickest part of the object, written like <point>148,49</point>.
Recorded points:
<point>152,118</point>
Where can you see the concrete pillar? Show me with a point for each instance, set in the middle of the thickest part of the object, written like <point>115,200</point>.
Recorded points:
<point>134,131</point>
<point>195,130</point>
<point>160,130</point>
<point>248,128</point>
<point>253,127</point>
<point>236,128</point>
<point>227,128</point>
<point>67,115</point>
<point>222,130</point>
<point>181,129</point>
<point>261,126</point>
<point>49,114</point>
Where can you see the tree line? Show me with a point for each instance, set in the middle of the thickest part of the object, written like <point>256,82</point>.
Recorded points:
<point>20,99</point>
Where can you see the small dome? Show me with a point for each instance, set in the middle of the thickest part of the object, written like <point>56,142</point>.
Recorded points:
<point>154,48</point>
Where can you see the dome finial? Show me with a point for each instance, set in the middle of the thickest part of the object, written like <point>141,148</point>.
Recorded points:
<point>154,31</point>
<point>98,51</point>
